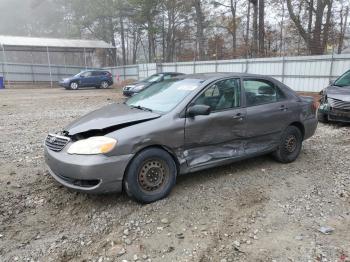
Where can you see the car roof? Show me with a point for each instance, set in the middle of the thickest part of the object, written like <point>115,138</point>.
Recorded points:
<point>171,73</point>
<point>94,70</point>
<point>207,76</point>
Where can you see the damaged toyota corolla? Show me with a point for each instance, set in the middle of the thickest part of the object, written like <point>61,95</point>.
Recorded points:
<point>179,126</point>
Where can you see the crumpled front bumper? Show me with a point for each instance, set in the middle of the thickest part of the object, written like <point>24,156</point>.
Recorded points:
<point>128,93</point>
<point>335,115</point>
<point>87,173</point>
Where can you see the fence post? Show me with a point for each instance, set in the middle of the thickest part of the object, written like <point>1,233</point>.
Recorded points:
<point>32,67</point>
<point>32,71</point>
<point>65,64</point>
<point>283,68</point>
<point>124,72</point>
<point>85,59</point>
<point>138,71</point>
<point>5,65</point>
<point>2,69</point>
<point>176,67</point>
<point>331,67</point>
<point>194,67</point>
<point>48,60</point>
<point>246,65</point>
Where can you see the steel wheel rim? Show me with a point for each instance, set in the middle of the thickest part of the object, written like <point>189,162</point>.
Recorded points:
<point>153,175</point>
<point>291,144</point>
<point>104,84</point>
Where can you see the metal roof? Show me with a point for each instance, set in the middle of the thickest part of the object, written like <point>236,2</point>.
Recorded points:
<point>51,42</point>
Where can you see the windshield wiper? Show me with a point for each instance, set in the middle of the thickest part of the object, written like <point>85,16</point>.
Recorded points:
<point>142,108</point>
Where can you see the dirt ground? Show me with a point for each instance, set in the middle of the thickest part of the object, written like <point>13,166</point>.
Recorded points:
<point>255,210</point>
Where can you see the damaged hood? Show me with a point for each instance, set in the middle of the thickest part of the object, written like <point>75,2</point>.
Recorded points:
<point>340,93</point>
<point>112,115</point>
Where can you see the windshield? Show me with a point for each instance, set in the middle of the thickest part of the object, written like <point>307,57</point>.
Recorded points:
<point>78,74</point>
<point>344,80</point>
<point>153,78</point>
<point>164,96</point>
<point>83,73</point>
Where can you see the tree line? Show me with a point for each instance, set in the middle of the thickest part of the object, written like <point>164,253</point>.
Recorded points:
<point>187,30</point>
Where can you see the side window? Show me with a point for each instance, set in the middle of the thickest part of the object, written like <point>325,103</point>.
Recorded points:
<point>222,95</point>
<point>259,91</point>
<point>167,77</point>
<point>87,74</point>
<point>100,73</point>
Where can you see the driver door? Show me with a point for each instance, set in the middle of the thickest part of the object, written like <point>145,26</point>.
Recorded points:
<point>86,79</point>
<point>219,136</point>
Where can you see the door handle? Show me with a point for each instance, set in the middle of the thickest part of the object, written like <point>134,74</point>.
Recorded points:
<point>238,116</point>
<point>283,108</point>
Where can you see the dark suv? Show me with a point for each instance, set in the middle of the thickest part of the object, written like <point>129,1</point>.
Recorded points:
<point>89,78</point>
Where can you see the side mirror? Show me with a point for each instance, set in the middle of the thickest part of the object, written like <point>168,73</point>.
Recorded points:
<point>199,110</point>
<point>331,82</point>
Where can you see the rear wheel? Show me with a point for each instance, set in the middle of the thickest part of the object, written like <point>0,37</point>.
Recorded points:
<point>150,176</point>
<point>290,145</point>
<point>74,86</point>
<point>104,84</point>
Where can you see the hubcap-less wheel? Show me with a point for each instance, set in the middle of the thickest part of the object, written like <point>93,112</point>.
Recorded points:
<point>291,143</point>
<point>150,175</point>
<point>153,175</point>
<point>74,86</point>
<point>104,84</point>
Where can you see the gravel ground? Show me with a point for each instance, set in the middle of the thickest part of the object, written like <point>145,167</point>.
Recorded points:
<point>255,210</point>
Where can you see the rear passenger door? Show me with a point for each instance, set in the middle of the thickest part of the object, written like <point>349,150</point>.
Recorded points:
<point>267,114</point>
<point>96,78</point>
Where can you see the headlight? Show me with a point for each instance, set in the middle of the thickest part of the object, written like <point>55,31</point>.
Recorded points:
<point>93,146</point>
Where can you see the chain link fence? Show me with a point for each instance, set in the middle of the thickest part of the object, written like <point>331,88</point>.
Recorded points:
<point>303,73</point>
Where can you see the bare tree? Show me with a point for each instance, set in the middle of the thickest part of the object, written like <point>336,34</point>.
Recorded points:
<point>261,27</point>
<point>231,26</point>
<point>255,27</point>
<point>343,23</point>
<point>200,28</point>
<point>313,36</point>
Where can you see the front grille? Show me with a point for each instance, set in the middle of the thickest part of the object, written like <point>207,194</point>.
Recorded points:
<point>55,142</point>
<point>339,104</point>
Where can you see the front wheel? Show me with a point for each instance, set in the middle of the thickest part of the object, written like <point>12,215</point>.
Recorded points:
<point>150,176</point>
<point>104,84</point>
<point>290,145</point>
<point>74,86</point>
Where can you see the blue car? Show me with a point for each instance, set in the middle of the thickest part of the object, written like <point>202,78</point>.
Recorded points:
<point>89,78</point>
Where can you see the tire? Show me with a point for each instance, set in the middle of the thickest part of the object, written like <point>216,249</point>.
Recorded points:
<point>290,145</point>
<point>150,176</point>
<point>104,84</point>
<point>74,86</point>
